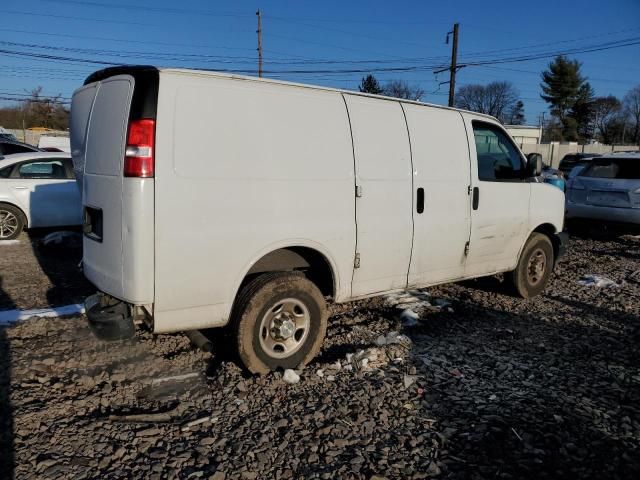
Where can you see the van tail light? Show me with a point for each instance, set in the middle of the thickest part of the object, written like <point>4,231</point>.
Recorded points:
<point>139,153</point>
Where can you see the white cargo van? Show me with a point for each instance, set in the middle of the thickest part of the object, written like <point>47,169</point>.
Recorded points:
<point>213,200</point>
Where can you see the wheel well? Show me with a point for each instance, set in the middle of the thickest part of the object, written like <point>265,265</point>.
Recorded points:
<point>550,231</point>
<point>24,217</point>
<point>312,263</point>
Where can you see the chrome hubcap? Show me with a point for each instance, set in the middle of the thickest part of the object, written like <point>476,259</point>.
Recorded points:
<point>536,267</point>
<point>8,224</point>
<point>284,328</point>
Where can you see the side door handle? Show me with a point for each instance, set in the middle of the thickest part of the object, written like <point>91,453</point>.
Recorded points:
<point>476,197</point>
<point>420,200</point>
<point>20,187</point>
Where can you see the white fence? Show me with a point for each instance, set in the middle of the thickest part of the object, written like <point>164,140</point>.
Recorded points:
<point>552,153</point>
<point>32,137</point>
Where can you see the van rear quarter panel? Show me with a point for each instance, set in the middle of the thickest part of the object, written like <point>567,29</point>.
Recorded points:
<point>242,168</point>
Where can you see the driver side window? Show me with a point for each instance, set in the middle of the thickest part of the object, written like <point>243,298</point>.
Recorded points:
<point>498,158</point>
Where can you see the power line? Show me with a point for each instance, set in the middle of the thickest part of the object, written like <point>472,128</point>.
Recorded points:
<point>178,11</point>
<point>144,42</point>
<point>187,11</point>
<point>67,17</point>
<point>397,68</point>
<point>301,61</point>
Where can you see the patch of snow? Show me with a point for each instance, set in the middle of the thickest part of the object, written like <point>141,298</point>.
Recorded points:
<point>12,316</point>
<point>592,280</point>
<point>9,242</point>
<point>409,318</point>
<point>290,376</point>
<point>391,338</point>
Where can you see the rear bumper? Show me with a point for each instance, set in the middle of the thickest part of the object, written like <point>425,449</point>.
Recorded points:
<point>607,214</point>
<point>110,320</point>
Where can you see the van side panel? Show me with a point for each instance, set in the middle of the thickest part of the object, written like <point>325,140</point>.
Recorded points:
<point>384,209</point>
<point>441,167</point>
<point>243,168</point>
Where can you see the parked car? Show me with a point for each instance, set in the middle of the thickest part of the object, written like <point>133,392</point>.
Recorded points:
<point>9,147</point>
<point>571,160</point>
<point>606,190</point>
<point>300,194</point>
<point>553,177</point>
<point>37,189</point>
<point>54,144</point>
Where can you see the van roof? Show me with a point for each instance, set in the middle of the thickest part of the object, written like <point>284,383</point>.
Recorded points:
<point>120,70</point>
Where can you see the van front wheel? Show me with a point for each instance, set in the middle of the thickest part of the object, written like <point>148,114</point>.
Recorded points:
<point>280,321</point>
<point>534,267</point>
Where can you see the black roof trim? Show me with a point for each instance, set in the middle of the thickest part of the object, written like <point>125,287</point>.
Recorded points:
<point>119,70</point>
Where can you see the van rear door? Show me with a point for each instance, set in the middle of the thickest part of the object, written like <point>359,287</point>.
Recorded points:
<point>118,211</point>
<point>102,184</point>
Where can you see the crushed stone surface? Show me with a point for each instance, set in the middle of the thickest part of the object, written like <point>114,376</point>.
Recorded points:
<point>479,384</point>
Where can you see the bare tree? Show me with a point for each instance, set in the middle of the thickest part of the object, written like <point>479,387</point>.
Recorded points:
<point>606,111</point>
<point>499,99</point>
<point>631,107</point>
<point>42,111</point>
<point>402,89</point>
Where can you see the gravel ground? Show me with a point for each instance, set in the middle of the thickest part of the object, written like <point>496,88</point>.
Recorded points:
<point>489,386</point>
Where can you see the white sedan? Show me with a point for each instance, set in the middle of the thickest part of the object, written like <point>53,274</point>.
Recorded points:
<point>37,189</point>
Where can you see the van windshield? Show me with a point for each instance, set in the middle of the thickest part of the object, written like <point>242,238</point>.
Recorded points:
<point>619,168</point>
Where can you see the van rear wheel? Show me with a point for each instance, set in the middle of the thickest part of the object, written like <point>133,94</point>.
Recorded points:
<point>534,267</point>
<point>280,321</point>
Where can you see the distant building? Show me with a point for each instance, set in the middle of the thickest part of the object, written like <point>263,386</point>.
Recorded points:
<point>525,134</point>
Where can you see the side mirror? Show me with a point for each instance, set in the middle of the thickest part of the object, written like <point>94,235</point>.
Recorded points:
<point>534,165</point>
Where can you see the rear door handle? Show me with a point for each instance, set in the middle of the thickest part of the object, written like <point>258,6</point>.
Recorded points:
<point>476,197</point>
<point>420,200</point>
<point>20,188</point>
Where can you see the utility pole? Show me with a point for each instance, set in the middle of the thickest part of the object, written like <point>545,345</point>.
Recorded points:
<point>259,32</point>
<point>454,67</point>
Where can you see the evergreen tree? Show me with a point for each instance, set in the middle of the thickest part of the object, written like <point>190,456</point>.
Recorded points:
<point>369,84</point>
<point>582,112</point>
<point>516,114</point>
<point>567,92</point>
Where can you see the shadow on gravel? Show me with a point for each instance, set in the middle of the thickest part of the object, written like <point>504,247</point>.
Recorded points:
<point>339,352</point>
<point>6,409</point>
<point>628,320</point>
<point>598,231</point>
<point>530,397</point>
<point>60,263</point>
<point>491,284</point>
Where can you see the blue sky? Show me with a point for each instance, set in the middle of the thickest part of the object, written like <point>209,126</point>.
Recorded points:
<point>331,38</point>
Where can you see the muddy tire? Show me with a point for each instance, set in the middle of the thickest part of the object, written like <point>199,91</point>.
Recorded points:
<point>11,222</point>
<point>279,321</point>
<point>534,267</point>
